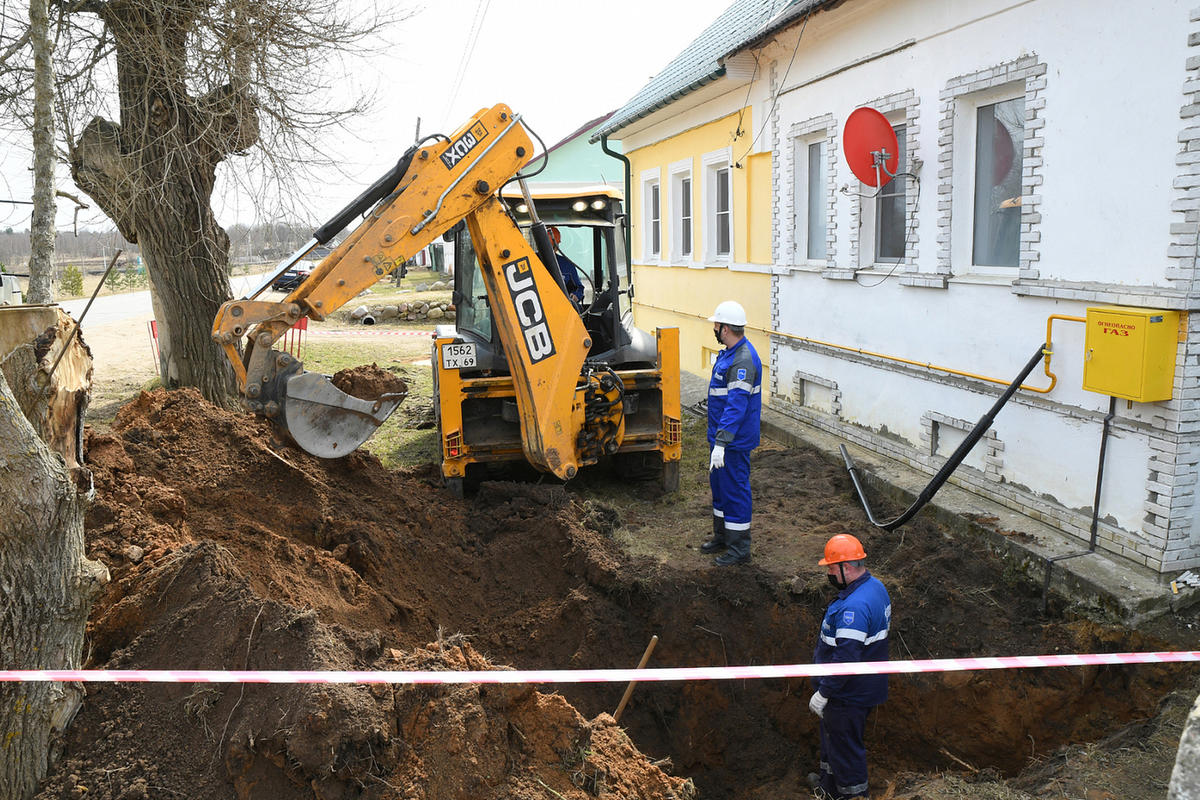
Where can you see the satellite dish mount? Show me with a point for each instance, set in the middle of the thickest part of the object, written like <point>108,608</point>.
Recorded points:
<point>871,148</point>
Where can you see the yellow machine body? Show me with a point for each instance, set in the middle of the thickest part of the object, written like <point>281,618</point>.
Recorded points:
<point>1130,352</point>
<point>655,426</point>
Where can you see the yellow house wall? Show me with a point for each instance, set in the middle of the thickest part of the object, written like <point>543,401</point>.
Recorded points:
<point>679,295</point>
<point>758,208</point>
<point>670,297</point>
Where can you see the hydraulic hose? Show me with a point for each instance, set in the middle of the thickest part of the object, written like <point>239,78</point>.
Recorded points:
<point>956,457</point>
<point>380,189</point>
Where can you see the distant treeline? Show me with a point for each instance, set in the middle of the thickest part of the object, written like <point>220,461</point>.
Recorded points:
<point>90,250</point>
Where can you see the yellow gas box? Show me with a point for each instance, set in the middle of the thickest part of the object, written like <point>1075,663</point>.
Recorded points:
<point>1130,352</point>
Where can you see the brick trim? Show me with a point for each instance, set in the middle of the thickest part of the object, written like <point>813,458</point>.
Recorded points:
<point>994,448</point>
<point>1032,72</point>
<point>835,395</point>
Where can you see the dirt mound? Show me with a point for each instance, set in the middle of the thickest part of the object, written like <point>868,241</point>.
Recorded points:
<point>231,549</point>
<point>368,382</point>
<point>233,552</point>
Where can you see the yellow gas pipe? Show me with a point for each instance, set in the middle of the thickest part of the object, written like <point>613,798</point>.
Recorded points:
<point>898,359</point>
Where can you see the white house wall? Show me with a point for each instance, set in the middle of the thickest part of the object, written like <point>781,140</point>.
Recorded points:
<point>1108,216</point>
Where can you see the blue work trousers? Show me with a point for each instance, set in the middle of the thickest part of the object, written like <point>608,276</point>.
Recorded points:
<point>843,753</point>
<point>731,490</point>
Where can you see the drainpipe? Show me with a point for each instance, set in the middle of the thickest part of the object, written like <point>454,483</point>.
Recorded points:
<point>628,198</point>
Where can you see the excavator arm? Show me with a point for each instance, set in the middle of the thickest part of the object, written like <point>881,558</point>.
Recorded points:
<point>432,188</point>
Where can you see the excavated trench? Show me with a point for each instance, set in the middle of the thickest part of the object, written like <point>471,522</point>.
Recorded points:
<point>230,549</point>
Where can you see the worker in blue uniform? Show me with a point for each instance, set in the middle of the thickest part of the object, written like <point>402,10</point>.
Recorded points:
<point>734,415</point>
<point>568,268</point>
<point>855,628</point>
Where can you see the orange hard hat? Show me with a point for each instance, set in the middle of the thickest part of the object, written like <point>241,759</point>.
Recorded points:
<point>842,547</point>
<point>555,236</point>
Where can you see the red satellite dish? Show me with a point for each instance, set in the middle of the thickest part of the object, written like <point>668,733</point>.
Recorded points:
<point>868,132</point>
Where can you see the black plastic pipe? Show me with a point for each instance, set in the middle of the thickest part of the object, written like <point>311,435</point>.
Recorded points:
<point>956,457</point>
<point>1112,412</point>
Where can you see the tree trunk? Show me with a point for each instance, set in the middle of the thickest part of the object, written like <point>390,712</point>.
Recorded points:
<point>153,174</point>
<point>46,583</point>
<point>41,231</point>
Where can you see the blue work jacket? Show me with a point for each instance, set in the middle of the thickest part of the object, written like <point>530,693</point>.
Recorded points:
<point>855,628</point>
<point>735,398</point>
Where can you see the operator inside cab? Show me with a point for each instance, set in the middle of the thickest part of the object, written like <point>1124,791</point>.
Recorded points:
<point>568,268</point>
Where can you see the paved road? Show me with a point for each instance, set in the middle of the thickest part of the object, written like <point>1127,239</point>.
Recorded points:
<point>118,307</point>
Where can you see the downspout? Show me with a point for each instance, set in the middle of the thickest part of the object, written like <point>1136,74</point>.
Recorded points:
<point>628,199</point>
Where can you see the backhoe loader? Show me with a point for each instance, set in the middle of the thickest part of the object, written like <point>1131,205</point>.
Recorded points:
<point>546,380</point>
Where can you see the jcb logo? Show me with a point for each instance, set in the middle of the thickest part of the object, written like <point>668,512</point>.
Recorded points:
<point>528,304</point>
<point>464,144</point>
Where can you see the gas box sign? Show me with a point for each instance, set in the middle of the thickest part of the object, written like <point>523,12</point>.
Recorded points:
<point>1109,327</point>
<point>464,144</point>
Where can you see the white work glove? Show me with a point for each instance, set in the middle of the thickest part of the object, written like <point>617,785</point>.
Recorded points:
<point>718,458</point>
<point>816,704</point>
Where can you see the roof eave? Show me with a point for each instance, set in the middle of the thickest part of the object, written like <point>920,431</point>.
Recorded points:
<point>662,103</point>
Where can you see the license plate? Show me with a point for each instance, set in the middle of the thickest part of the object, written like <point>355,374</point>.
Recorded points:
<point>458,356</point>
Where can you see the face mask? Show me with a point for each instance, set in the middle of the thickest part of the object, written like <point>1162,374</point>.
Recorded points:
<point>837,582</point>
<point>717,335</point>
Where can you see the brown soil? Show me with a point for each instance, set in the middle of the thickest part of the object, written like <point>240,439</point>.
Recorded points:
<point>231,550</point>
<point>368,382</point>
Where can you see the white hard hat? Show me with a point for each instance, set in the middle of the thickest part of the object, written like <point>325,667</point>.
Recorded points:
<point>730,313</point>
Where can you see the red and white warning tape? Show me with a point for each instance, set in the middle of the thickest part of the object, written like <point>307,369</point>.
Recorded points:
<point>369,332</point>
<point>595,675</point>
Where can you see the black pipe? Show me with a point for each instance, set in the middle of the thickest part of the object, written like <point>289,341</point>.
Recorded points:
<point>628,200</point>
<point>956,457</point>
<point>1112,412</point>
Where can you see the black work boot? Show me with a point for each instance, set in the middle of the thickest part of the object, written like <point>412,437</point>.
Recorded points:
<point>738,552</point>
<point>717,542</point>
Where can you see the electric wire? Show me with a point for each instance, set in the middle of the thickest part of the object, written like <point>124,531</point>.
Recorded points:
<point>912,226</point>
<point>778,91</point>
<point>481,10</point>
<point>742,113</point>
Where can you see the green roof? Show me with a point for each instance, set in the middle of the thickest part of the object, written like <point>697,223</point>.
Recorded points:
<point>701,62</point>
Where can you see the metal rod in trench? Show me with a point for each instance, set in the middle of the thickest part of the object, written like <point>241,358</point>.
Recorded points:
<point>629,688</point>
<point>79,321</point>
<point>1112,412</point>
<point>956,457</point>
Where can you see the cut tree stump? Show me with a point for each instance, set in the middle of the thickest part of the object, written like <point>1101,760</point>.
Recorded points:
<point>46,582</point>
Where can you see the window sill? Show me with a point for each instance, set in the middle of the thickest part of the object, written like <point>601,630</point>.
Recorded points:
<point>985,279</point>
<point>840,273</point>
<point>784,269</point>
<point>924,280</point>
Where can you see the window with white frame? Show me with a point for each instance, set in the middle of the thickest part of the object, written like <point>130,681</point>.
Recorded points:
<point>680,206</point>
<point>810,225</point>
<point>651,215</point>
<point>987,201</point>
<point>718,206</point>
<point>999,138</point>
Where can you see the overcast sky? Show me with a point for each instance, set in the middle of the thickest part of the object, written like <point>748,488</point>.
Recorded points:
<point>559,63</point>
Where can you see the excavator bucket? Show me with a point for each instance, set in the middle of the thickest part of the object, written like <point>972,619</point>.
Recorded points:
<point>329,423</point>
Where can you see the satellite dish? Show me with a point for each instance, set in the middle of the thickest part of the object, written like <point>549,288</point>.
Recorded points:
<point>871,147</point>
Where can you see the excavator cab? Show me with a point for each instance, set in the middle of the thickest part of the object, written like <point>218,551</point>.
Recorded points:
<point>478,420</point>
<point>590,220</point>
